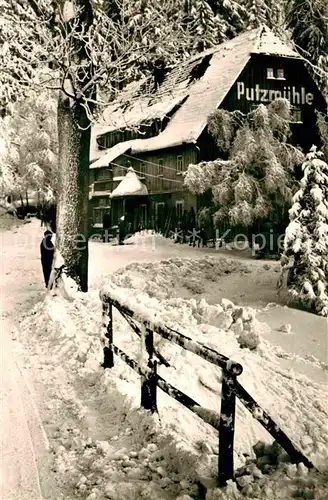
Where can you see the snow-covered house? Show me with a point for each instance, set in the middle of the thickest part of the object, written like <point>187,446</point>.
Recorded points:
<point>160,133</point>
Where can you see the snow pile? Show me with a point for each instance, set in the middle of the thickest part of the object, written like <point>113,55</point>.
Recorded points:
<point>175,276</point>
<point>284,395</point>
<point>134,456</point>
<point>130,186</point>
<point>144,238</point>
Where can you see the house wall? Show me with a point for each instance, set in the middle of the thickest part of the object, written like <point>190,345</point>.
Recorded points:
<point>159,170</point>
<point>253,87</point>
<point>161,173</point>
<point>99,201</point>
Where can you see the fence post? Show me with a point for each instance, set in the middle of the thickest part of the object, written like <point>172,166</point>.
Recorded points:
<point>149,382</point>
<point>108,350</point>
<point>227,429</point>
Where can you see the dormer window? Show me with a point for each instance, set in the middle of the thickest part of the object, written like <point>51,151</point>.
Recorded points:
<point>281,74</point>
<point>270,73</point>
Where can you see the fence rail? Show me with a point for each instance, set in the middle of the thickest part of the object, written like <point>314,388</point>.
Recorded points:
<point>223,422</point>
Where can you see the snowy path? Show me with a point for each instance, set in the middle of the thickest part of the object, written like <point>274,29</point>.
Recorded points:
<point>23,440</point>
<point>24,378</point>
<point>75,405</point>
<point>18,422</point>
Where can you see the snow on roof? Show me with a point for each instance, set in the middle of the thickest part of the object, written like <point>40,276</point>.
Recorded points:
<point>198,97</point>
<point>111,154</point>
<point>205,95</point>
<point>130,186</point>
<point>142,110</point>
<point>268,43</point>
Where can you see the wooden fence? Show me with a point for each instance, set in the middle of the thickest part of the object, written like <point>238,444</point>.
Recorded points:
<point>224,422</point>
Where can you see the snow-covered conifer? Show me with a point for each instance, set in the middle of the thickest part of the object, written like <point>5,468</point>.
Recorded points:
<point>204,25</point>
<point>257,178</point>
<point>309,28</point>
<point>306,237</point>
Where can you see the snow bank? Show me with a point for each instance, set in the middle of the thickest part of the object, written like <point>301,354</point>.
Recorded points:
<point>183,449</point>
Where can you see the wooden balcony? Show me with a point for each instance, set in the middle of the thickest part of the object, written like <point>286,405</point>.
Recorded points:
<point>103,185</point>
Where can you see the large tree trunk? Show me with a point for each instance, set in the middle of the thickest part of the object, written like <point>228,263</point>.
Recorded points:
<point>73,197</point>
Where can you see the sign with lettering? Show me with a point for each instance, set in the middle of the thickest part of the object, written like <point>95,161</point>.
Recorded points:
<point>296,96</point>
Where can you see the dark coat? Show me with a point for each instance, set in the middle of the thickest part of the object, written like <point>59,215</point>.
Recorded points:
<point>106,221</point>
<point>47,250</point>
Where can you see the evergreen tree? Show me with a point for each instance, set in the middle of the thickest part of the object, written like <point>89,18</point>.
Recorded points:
<point>203,26</point>
<point>308,22</point>
<point>231,18</point>
<point>256,179</point>
<point>267,12</point>
<point>306,237</point>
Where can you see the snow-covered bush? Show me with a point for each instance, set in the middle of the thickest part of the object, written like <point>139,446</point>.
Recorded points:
<point>306,238</point>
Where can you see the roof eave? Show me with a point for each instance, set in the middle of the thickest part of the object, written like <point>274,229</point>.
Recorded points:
<point>284,56</point>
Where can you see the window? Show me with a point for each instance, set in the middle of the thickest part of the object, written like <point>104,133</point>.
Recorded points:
<point>102,174</point>
<point>119,171</point>
<point>159,208</point>
<point>160,167</point>
<point>276,74</point>
<point>98,214</point>
<point>102,202</point>
<point>179,164</point>
<point>179,207</point>
<point>102,185</point>
<point>142,169</point>
<point>270,73</point>
<point>281,74</point>
<point>295,115</point>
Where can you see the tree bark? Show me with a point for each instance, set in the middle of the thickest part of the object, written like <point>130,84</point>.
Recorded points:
<point>72,210</point>
<point>22,201</point>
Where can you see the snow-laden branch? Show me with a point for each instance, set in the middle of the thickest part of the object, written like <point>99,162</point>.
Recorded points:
<point>37,37</point>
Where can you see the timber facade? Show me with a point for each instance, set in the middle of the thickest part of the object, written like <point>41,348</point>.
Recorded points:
<point>159,137</point>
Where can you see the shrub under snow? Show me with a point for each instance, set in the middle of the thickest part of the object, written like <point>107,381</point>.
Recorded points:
<point>306,237</point>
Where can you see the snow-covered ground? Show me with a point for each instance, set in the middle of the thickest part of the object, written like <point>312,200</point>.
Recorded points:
<point>101,444</point>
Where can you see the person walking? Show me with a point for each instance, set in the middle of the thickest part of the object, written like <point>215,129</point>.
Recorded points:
<point>47,250</point>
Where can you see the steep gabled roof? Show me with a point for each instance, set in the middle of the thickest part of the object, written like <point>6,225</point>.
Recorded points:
<point>199,96</point>
<point>268,43</point>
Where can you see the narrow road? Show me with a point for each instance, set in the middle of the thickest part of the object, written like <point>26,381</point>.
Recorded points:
<point>22,436</point>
